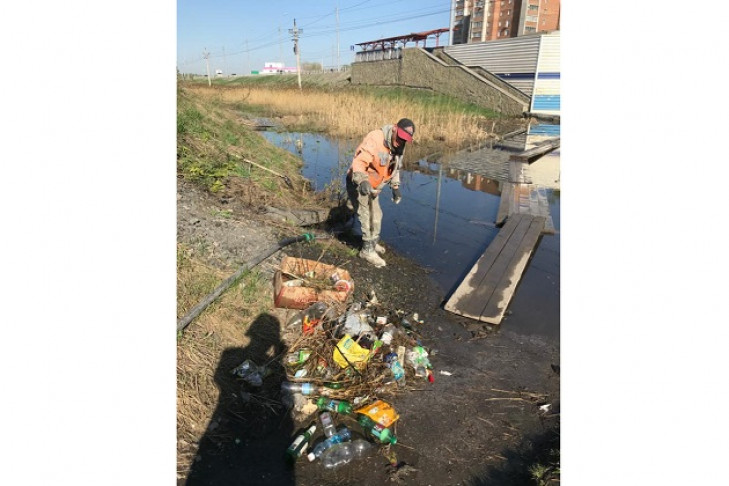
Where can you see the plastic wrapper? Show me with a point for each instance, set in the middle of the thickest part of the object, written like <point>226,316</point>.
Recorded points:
<point>250,372</point>
<point>380,412</point>
<point>355,354</point>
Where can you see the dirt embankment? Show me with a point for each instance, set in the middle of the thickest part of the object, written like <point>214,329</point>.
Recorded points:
<point>492,412</point>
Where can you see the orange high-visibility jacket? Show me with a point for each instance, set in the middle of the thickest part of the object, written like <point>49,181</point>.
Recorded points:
<point>372,157</point>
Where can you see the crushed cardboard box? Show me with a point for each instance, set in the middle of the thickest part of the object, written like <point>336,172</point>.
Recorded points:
<point>299,271</point>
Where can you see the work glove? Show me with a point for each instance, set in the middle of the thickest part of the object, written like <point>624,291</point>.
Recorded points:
<point>396,195</point>
<point>365,188</point>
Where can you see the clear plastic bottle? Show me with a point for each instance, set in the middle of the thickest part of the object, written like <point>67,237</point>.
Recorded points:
<point>388,332</point>
<point>343,435</point>
<point>298,357</point>
<point>342,453</point>
<point>309,317</point>
<point>303,388</point>
<point>327,424</point>
<point>396,367</point>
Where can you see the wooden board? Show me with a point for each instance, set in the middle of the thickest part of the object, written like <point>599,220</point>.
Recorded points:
<point>533,154</point>
<point>486,291</point>
<point>524,199</point>
<point>507,193</point>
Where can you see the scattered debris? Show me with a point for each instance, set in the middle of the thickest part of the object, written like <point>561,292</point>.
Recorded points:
<point>345,359</point>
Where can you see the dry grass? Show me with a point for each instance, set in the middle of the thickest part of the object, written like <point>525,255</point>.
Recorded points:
<point>242,318</point>
<point>350,114</point>
<point>221,326</point>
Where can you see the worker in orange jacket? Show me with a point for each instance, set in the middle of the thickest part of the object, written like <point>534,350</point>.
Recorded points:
<point>377,161</point>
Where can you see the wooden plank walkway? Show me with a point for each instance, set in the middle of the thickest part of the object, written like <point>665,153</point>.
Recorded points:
<point>487,290</point>
<point>517,198</point>
<point>540,150</point>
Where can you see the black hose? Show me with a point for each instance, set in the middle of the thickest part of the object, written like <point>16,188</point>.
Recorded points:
<point>182,323</point>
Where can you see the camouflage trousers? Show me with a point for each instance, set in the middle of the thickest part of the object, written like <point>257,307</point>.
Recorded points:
<point>368,211</point>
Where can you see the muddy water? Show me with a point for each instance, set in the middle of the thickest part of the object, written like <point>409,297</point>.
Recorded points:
<point>446,220</point>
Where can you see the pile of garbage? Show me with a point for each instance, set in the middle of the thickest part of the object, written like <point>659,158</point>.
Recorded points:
<point>345,361</point>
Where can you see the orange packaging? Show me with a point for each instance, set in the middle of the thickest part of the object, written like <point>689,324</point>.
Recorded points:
<point>308,325</point>
<point>381,412</point>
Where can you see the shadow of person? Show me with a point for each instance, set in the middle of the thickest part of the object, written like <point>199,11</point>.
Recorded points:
<point>250,430</point>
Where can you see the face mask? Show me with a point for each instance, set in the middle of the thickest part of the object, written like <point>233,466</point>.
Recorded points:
<point>400,147</point>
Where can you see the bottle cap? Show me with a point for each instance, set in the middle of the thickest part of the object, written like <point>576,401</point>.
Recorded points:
<point>343,286</point>
<point>310,456</point>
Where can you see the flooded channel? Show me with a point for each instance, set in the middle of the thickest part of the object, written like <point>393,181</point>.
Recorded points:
<point>446,218</point>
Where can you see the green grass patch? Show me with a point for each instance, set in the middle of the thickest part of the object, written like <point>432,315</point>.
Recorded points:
<point>207,129</point>
<point>435,101</point>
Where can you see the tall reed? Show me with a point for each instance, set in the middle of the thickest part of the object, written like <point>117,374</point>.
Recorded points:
<point>352,113</point>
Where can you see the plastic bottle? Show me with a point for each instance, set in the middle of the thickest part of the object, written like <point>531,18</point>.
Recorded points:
<point>309,317</point>
<point>388,332</point>
<point>298,357</point>
<point>303,388</point>
<point>327,424</point>
<point>396,367</point>
<point>382,434</point>
<point>338,406</point>
<point>342,453</point>
<point>343,435</point>
<point>299,445</point>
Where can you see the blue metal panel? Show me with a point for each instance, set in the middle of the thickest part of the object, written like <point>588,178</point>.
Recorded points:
<point>514,76</point>
<point>548,75</point>
<point>545,129</point>
<point>546,102</point>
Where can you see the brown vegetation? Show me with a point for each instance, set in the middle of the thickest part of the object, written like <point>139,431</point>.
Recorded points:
<point>351,114</point>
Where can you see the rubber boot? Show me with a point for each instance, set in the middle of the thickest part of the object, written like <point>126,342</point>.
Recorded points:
<point>379,248</point>
<point>369,254</point>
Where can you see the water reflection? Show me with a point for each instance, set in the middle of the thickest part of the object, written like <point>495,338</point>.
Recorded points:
<point>446,218</point>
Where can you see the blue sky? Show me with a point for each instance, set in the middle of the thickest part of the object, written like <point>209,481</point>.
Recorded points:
<point>239,34</point>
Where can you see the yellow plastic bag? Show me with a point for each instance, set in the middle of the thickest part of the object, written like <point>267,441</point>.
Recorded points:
<point>355,353</point>
<point>381,412</point>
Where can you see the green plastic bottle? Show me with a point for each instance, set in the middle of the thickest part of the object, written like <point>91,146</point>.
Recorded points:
<point>338,406</point>
<point>382,434</point>
<point>299,445</point>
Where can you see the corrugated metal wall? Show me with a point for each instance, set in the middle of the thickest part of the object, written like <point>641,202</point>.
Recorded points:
<point>530,63</point>
<point>546,96</point>
<point>514,60</point>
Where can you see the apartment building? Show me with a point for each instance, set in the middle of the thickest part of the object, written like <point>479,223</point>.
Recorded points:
<point>484,20</point>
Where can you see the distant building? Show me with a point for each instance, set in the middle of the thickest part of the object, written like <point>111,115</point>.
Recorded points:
<point>485,20</point>
<point>277,68</point>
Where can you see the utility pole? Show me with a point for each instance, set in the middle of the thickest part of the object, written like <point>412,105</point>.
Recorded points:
<point>338,65</point>
<point>280,48</point>
<point>295,33</point>
<point>225,63</point>
<point>249,59</point>
<point>206,55</point>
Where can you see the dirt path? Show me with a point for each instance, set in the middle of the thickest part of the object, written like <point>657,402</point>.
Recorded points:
<point>481,424</point>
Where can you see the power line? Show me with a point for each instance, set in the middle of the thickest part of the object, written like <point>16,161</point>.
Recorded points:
<point>347,27</point>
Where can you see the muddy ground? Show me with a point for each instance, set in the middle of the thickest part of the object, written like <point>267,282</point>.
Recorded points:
<point>482,424</point>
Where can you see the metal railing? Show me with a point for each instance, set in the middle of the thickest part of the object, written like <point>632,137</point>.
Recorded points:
<point>378,55</point>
